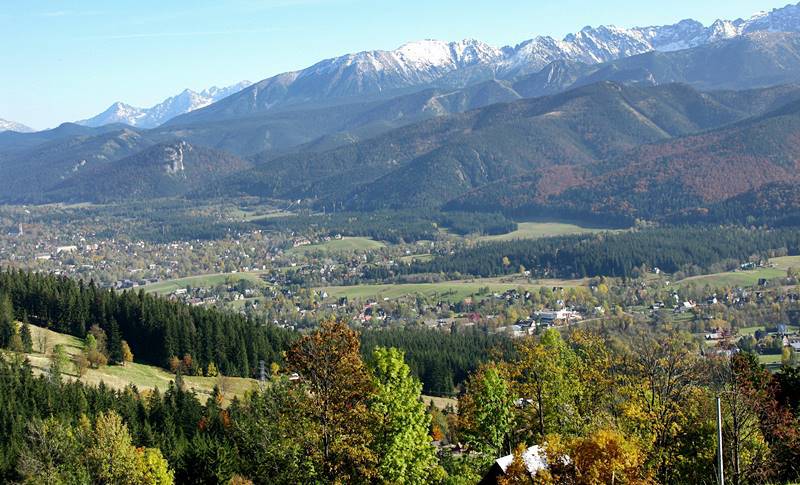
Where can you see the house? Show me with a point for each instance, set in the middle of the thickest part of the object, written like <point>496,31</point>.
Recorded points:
<point>535,460</point>
<point>550,316</point>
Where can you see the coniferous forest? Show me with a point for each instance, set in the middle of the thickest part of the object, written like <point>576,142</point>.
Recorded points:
<point>671,249</point>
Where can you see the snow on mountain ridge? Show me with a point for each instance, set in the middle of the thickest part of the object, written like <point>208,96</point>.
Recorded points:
<point>182,103</point>
<point>6,125</point>
<point>413,65</point>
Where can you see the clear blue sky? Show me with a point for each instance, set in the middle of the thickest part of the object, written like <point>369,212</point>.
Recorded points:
<point>70,59</point>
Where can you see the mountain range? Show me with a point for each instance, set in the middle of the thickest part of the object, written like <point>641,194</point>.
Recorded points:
<point>171,107</point>
<point>381,74</point>
<point>668,122</point>
<point>6,125</point>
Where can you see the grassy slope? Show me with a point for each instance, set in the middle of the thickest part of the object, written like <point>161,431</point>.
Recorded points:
<point>119,377</point>
<point>150,377</point>
<point>747,278</point>
<point>536,230</point>
<point>340,245</point>
<point>450,290</point>
<point>201,281</point>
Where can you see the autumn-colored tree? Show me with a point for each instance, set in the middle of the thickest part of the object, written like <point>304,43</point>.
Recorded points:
<point>486,410</point>
<point>596,381</point>
<point>750,415</point>
<point>544,376</point>
<point>187,364</point>
<point>100,339</point>
<point>602,456</point>
<point>81,363</point>
<point>517,472</point>
<point>110,456</point>
<point>211,370</point>
<point>402,443</point>
<point>174,364</point>
<point>152,468</point>
<point>127,354</point>
<point>240,480</point>
<point>52,454</point>
<point>662,379</point>
<point>16,345</point>
<point>93,348</point>
<point>329,364</point>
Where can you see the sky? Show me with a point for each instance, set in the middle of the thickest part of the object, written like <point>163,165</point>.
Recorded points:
<point>65,60</point>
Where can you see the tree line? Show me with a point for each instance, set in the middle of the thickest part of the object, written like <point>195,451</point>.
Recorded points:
<point>157,330</point>
<point>392,226</point>
<point>193,340</point>
<point>613,254</point>
<point>442,361</point>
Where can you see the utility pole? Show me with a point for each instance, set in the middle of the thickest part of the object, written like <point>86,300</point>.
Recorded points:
<point>721,470</point>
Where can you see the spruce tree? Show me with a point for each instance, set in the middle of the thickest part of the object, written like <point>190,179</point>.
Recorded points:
<point>27,338</point>
<point>115,354</point>
<point>7,326</point>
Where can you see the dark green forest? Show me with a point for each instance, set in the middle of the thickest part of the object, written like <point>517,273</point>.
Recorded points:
<point>614,254</point>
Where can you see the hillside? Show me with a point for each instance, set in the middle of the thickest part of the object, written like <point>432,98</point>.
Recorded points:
<point>164,170</point>
<point>31,172</point>
<point>753,60</point>
<point>696,171</point>
<point>542,146</point>
<point>142,376</point>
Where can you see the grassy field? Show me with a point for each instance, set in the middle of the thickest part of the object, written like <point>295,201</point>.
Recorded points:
<point>449,290</point>
<point>260,214</point>
<point>147,377</point>
<point>339,245</point>
<point>733,279</point>
<point>118,377</point>
<point>770,359</point>
<point>536,230</point>
<point>416,257</point>
<point>751,330</point>
<point>201,281</point>
<point>747,278</point>
<point>441,402</point>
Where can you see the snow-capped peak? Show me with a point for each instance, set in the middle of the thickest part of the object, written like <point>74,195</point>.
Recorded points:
<point>428,62</point>
<point>6,125</point>
<point>186,101</point>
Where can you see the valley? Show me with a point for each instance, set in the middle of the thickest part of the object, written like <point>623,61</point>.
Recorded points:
<point>572,259</point>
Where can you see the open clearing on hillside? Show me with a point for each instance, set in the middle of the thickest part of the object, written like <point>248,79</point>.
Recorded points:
<point>536,230</point>
<point>148,377</point>
<point>339,245</point>
<point>140,375</point>
<point>449,290</point>
<point>202,281</point>
<point>746,278</point>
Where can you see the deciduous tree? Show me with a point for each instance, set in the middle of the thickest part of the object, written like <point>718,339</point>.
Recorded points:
<point>486,410</point>
<point>402,443</point>
<point>329,364</point>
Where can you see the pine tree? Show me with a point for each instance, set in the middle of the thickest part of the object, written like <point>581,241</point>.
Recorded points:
<point>115,354</point>
<point>27,337</point>
<point>7,326</point>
